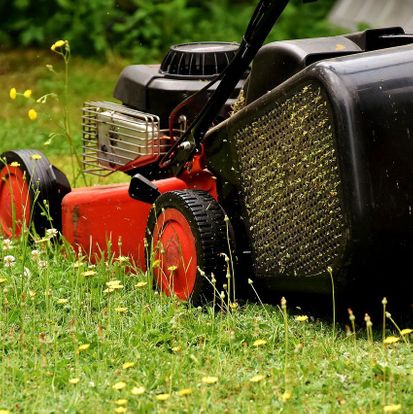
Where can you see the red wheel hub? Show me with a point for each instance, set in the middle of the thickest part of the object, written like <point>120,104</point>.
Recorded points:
<point>15,204</point>
<point>175,248</point>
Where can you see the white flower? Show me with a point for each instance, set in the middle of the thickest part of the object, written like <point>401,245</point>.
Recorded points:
<point>9,261</point>
<point>7,244</point>
<point>42,264</point>
<point>51,232</point>
<point>35,255</point>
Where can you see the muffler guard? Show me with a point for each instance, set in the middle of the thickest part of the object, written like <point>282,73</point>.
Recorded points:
<point>319,172</point>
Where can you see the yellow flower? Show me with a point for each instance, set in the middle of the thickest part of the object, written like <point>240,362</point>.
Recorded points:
<point>128,365</point>
<point>392,408</point>
<point>88,273</point>
<point>62,301</point>
<point>2,280</point>
<point>119,385</point>
<point>83,347</point>
<point>163,397</point>
<point>391,340</point>
<point>259,342</point>
<point>74,381</point>
<point>57,44</point>
<point>32,114</point>
<point>176,349</point>
<point>138,390</point>
<point>141,284</point>
<point>301,318</point>
<point>406,331</point>
<point>4,412</point>
<point>156,263</point>
<point>286,396</point>
<point>209,380</point>
<point>257,378</point>
<point>27,93</point>
<point>121,310</point>
<point>120,410</point>
<point>184,391</point>
<point>13,93</point>
<point>122,401</point>
<point>172,268</point>
<point>15,164</point>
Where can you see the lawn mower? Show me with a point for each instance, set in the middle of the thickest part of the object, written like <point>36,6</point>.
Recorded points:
<point>285,171</point>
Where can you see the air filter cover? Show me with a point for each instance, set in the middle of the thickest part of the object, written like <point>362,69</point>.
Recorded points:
<point>201,60</point>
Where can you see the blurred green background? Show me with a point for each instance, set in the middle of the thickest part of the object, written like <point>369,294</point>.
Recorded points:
<point>143,29</point>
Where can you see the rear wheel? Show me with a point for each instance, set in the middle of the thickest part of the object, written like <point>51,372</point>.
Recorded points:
<point>31,192</point>
<point>186,232</point>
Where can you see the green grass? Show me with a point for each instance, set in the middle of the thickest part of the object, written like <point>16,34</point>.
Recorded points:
<point>50,308</point>
<point>174,346</point>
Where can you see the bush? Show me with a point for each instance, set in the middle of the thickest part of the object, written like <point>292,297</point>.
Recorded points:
<point>144,29</point>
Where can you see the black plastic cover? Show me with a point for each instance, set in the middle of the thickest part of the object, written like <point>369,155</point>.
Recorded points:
<point>203,60</point>
<point>370,95</point>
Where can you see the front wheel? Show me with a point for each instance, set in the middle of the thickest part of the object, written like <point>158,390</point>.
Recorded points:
<point>186,234</point>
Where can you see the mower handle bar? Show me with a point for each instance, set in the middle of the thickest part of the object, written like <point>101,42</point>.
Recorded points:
<point>262,21</point>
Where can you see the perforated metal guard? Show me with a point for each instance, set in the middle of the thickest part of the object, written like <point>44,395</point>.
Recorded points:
<point>291,185</point>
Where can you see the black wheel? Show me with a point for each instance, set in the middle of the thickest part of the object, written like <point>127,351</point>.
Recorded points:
<point>31,192</point>
<point>186,232</point>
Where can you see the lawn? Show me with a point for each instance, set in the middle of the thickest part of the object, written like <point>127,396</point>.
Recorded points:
<point>83,338</point>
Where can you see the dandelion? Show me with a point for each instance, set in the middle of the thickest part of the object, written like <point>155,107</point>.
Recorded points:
<point>301,318</point>
<point>119,386</point>
<point>141,284</point>
<point>257,378</point>
<point>233,305</point>
<point>392,408</point>
<point>138,390</point>
<point>259,342</point>
<point>163,397</point>
<point>172,268</point>
<point>113,285</point>
<point>74,381</point>
<point>250,282</point>
<point>36,157</point>
<point>88,273</point>
<point>120,410</point>
<point>209,380</point>
<point>9,261</point>
<point>57,45</point>
<point>121,310</point>
<point>62,301</point>
<point>391,340</point>
<point>32,114</point>
<point>4,412</point>
<point>184,392</point>
<point>176,349</point>
<point>2,280</point>
<point>286,396</point>
<point>156,264</point>
<point>406,331</point>
<point>83,347</point>
<point>13,93</point>
<point>15,164</point>
<point>128,365</point>
<point>122,401</point>
<point>27,93</point>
